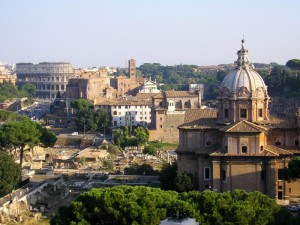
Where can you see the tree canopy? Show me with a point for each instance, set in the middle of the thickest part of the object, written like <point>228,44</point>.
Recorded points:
<point>29,88</point>
<point>17,135</point>
<point>81,104</point>
<point>9,91</point>
<point>122,205</point>
<point>293,64</point>
<point>123,138</point>
<point>48,138</point>
<point>292,173</point>
<point>9,174</point>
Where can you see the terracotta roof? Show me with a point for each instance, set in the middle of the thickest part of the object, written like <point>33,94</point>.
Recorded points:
<point>124,101</point>
<point>243,126</point>
<point>277,150</point>
<point>200,119</point>
<point>145,95</point>
<point>206,150</point>
<point>172,94</point>
<point>159,95</point>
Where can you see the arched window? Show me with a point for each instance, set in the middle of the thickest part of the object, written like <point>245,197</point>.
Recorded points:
<point>277,143</point>
<point>244,149</point>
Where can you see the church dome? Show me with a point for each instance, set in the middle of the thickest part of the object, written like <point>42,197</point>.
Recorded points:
<point>243,79</point>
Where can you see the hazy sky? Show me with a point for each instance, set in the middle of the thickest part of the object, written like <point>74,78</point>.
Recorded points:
<point>109,32</point>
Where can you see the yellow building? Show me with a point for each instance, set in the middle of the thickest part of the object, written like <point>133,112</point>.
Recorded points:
<point>239,145</point>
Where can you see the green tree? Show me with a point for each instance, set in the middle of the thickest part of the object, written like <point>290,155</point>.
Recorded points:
<point>85,120</point>
<point>102,119</point>
<point>48,138</point>
<point>29,88</point>
<point>18,135</point>
<point>168,175</point>
<point>293,64</point>
<point>122,205</point>
<point>81,104</point>
<point>9,174</point>
<point>150,150</point>
<point>292,173</point>
<point>142,135</point>
<point>183,182</point>
<point>7,116</point>
<point>7,91</point>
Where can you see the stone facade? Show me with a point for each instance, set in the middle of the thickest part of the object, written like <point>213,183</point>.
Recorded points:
<point>93,86</point>
<point>168,112</point>
<point>49,78</point>
<point>238,145</point>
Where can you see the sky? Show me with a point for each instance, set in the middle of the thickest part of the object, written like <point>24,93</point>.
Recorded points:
<point>98,33</point>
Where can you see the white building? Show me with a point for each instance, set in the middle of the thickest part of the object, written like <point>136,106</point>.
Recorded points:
<point>128,110</point>
<point>149,87</point>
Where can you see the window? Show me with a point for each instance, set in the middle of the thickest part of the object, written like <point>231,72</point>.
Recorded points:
<point>115,112</point>
<point>186,104</point>
<point>280,187</point>
<point>160,104</point>
<point>260,112</point>
<point>296,142</point>
<point>141,118</point>
<point>261,147</point>
<point>243,113</point>
<point>160,126</point>
<point>277,143</point>
<point>226,148</point>
<point>206,173</point>
<point>160,118</point>
<point>244,149</point>
<point>226,113</point>
<point>223,175</point>
<point>280,174</point>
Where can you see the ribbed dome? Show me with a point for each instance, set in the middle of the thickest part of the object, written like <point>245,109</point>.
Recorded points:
<point>243,75</point>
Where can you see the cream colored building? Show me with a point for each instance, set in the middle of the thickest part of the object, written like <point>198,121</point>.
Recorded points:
<point>239,145</point>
